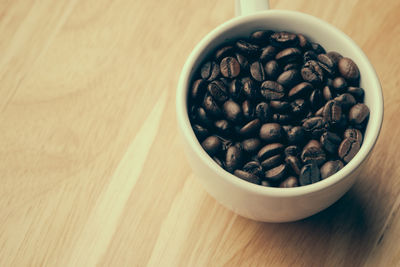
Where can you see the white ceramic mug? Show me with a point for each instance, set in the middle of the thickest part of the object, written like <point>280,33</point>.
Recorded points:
<point>265,203</point>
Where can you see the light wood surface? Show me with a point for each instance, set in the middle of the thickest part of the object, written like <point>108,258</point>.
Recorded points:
<point>92,170</point>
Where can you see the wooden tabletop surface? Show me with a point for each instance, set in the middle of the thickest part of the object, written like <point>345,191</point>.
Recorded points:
<point>92,170</point>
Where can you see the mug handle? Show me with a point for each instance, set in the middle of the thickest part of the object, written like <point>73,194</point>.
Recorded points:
<point>247,7</point>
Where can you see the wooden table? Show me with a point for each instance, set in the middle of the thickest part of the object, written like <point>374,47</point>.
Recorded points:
<point>92,169</point>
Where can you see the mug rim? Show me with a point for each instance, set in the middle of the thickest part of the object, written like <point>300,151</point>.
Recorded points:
<point>188,134</point>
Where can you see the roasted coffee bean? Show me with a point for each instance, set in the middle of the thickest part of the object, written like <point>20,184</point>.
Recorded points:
<point>260,37</point>
<point>243,62</point>
<point>301,90</point>
<point>327,93</point>
<point>315,126</point>
<point>257,71</point>
<point>226,143</point>
<point>211,107</point>
<point>225,81</point>
<point>289,78</point>
<point>319,112</point>
<point>296,135</point>
<point>236,90</point>
<point>253,167</point>
<point>198,89</point>
<point>330,141</point>
<point>234,158</point>
<point>348,149</point>
<point>219,162</point>
<point>218,91</point>
<point>358,113</point>
<point>335,56</point>
<point>201,118</point>
<point>339,84</point>
<point>276,174</point>
<point>313,154</point>
<point>263,112</point>
<point>354,134</point>
<point>268,53</point>
<point>266,183</point>
<point>327,64</point>
<point>292,66</point>
<point>309,174</point>
<point>272,70</point>
<point>223,127</point>
<point>303,43</point>
<point>212,145</point>
<point>299,107</point>
<point>248,110</point>
<point>348,69</point>
<point>247,176</point>
<point>272,90</point>
<point>247,48</point>
<point>272,162</point>
<point>200,132</point>
<point>345,100</point>
<point>251,128</point>
<point>232,111</point>
<point>280,106</point>
<point>289,55</point>
<point>357,92</point>
<point>289,182</point>
<point>284,39</point>
<point>312,73</point>
<point>330,168</point>
<point>230,67</point>
<point>292,151</point>
<point>271,132</point>
<point>316,100</point>
<point>294,164</point>
<point>251,145</point>
<point>269,151</point>
<point>313,143</point>
<point>224,52</point>
<point>332,112</point>
<point>249,88</point>
<point>281,118</point>
<point>309,55</point>
<point>209,71</point>
<point>317,48</point>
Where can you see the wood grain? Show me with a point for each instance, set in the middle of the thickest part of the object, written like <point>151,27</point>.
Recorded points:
<point>92,169</point>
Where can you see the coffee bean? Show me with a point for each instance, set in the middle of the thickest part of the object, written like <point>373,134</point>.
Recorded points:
<point>257,71</point>
<point>319,112</point>
<point>223,127</point>
<point>209,71</point>
<point>253,167</point>
<point>332,112</point>
<point>317,48</point>
<point>236,90</point>
<point>251,145</point>
<point>289,182</point>
<point>272,70</point>
<point>309,55</point>
<point>303,43</point>
<point>281,118</point>
<point>232,111</point>
<point>292,151</point>
<point>276,174</point>
<point>289,55</point>
<point>260,37</point>
<point>230,68</point>
<point>315,126</point>
<point>248,110</point>
<point>226,143</point>
<point>358,113</point>
<point>202,118</point>
<point>312,73</point>
<point>335,56</point>
<point>354,134</point>
<point>289,78</point>
<point>272,162</point>
<point>272,90</point>
<point>266,183</point>
<point>294,164</point>
<point>309,174</point>
<point>292,66</point>
<point>313,143</point>
<point>224,52</point>
<point>247,176</point>
<point>313,154</point>
<point>339,84</point>
<point>251,128</point>
<point>316,100</point>
<point>330,168</point>
<point>263,112</point>
<point>327,93</point>
<point>348,149</point>
<point>284,39</point>
<point>327,64</point>
<point>300,90</point>
<point>233,158</point>
<point>348,69</point>
<point>247,48</point>
<point>212,145</point>
<point>296,135</point>
<point>280,106</point>
<point>211,107</point>
<point>218,91</point>
<point>270,150</point>
<point>219,162</point>
<point>243,62</point>
<point>299,107</point>
<point>330,141</point>
<point>200,132</point>
<point>271,132</point>
<point>198,89</point>
<point>357,92</point>
<point>249,88</point>
<point>345,100</point>
<point>268,53</point>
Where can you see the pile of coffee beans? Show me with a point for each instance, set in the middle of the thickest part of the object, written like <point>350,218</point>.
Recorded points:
<point>276,109</point>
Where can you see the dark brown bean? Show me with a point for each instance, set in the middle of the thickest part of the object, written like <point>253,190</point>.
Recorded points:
<point>251,145</point>
<point>219,162</point>
<point>253,167</point>
<point>348,69</point>
<point>317,48</point>
<point>327,64</point>
<point>312,73</point>
<point>309,55</point>
<point>249,88</point>
<point>268,53</point>
<point>309,174</point>
<point>271,132</point>
<point>281,118</point>
<point>199,88</point>
<point>270,150</point>
<point>234,158</point>
<point>289,182</point>
<point>303,43</point>
<point>330,168</point>
<point>230,67</point>
<point>247,176</point>
<point>272,90</point>
<point>284,39</point>
<point>292,151</point>
<point>330,141</point>
<point>200,132</point>
<point>339,84</point>
<point>319,112</point>
<point>247,48</point>
<point>332,112</point>
<point>248,110</point>
<point>348,149</point>
<point>251,128</point>
<point>335,56</point>
<point>260,37</point>
<point>218,91</point>
<point>289,78</point>
<point>300,90</point>
<point>287,55</point>
<point>315,126</point>
<point>272,162</point>
<point>296,135</point>
<point>327,93</point>
<point>316,100</point>
<point>292,66</point>
<point>299,107</point>
<point>271,70</point>
<point>276,174</point>
<point>212,145</point>
<point>280,106</point>
<point>236,90</point>
<point>354,134</point>
<point>223,127</point>
<point>211,107</point>
<point>244,63</point>
<point>358,113</point>
<point>224,52</point>
<point>312,154</point>
<point>263,111</point>
<point>294,164</point>
<point>345,100</point>
<point>209,71</point>
<point>357,92</point>
<point>257,71</point>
